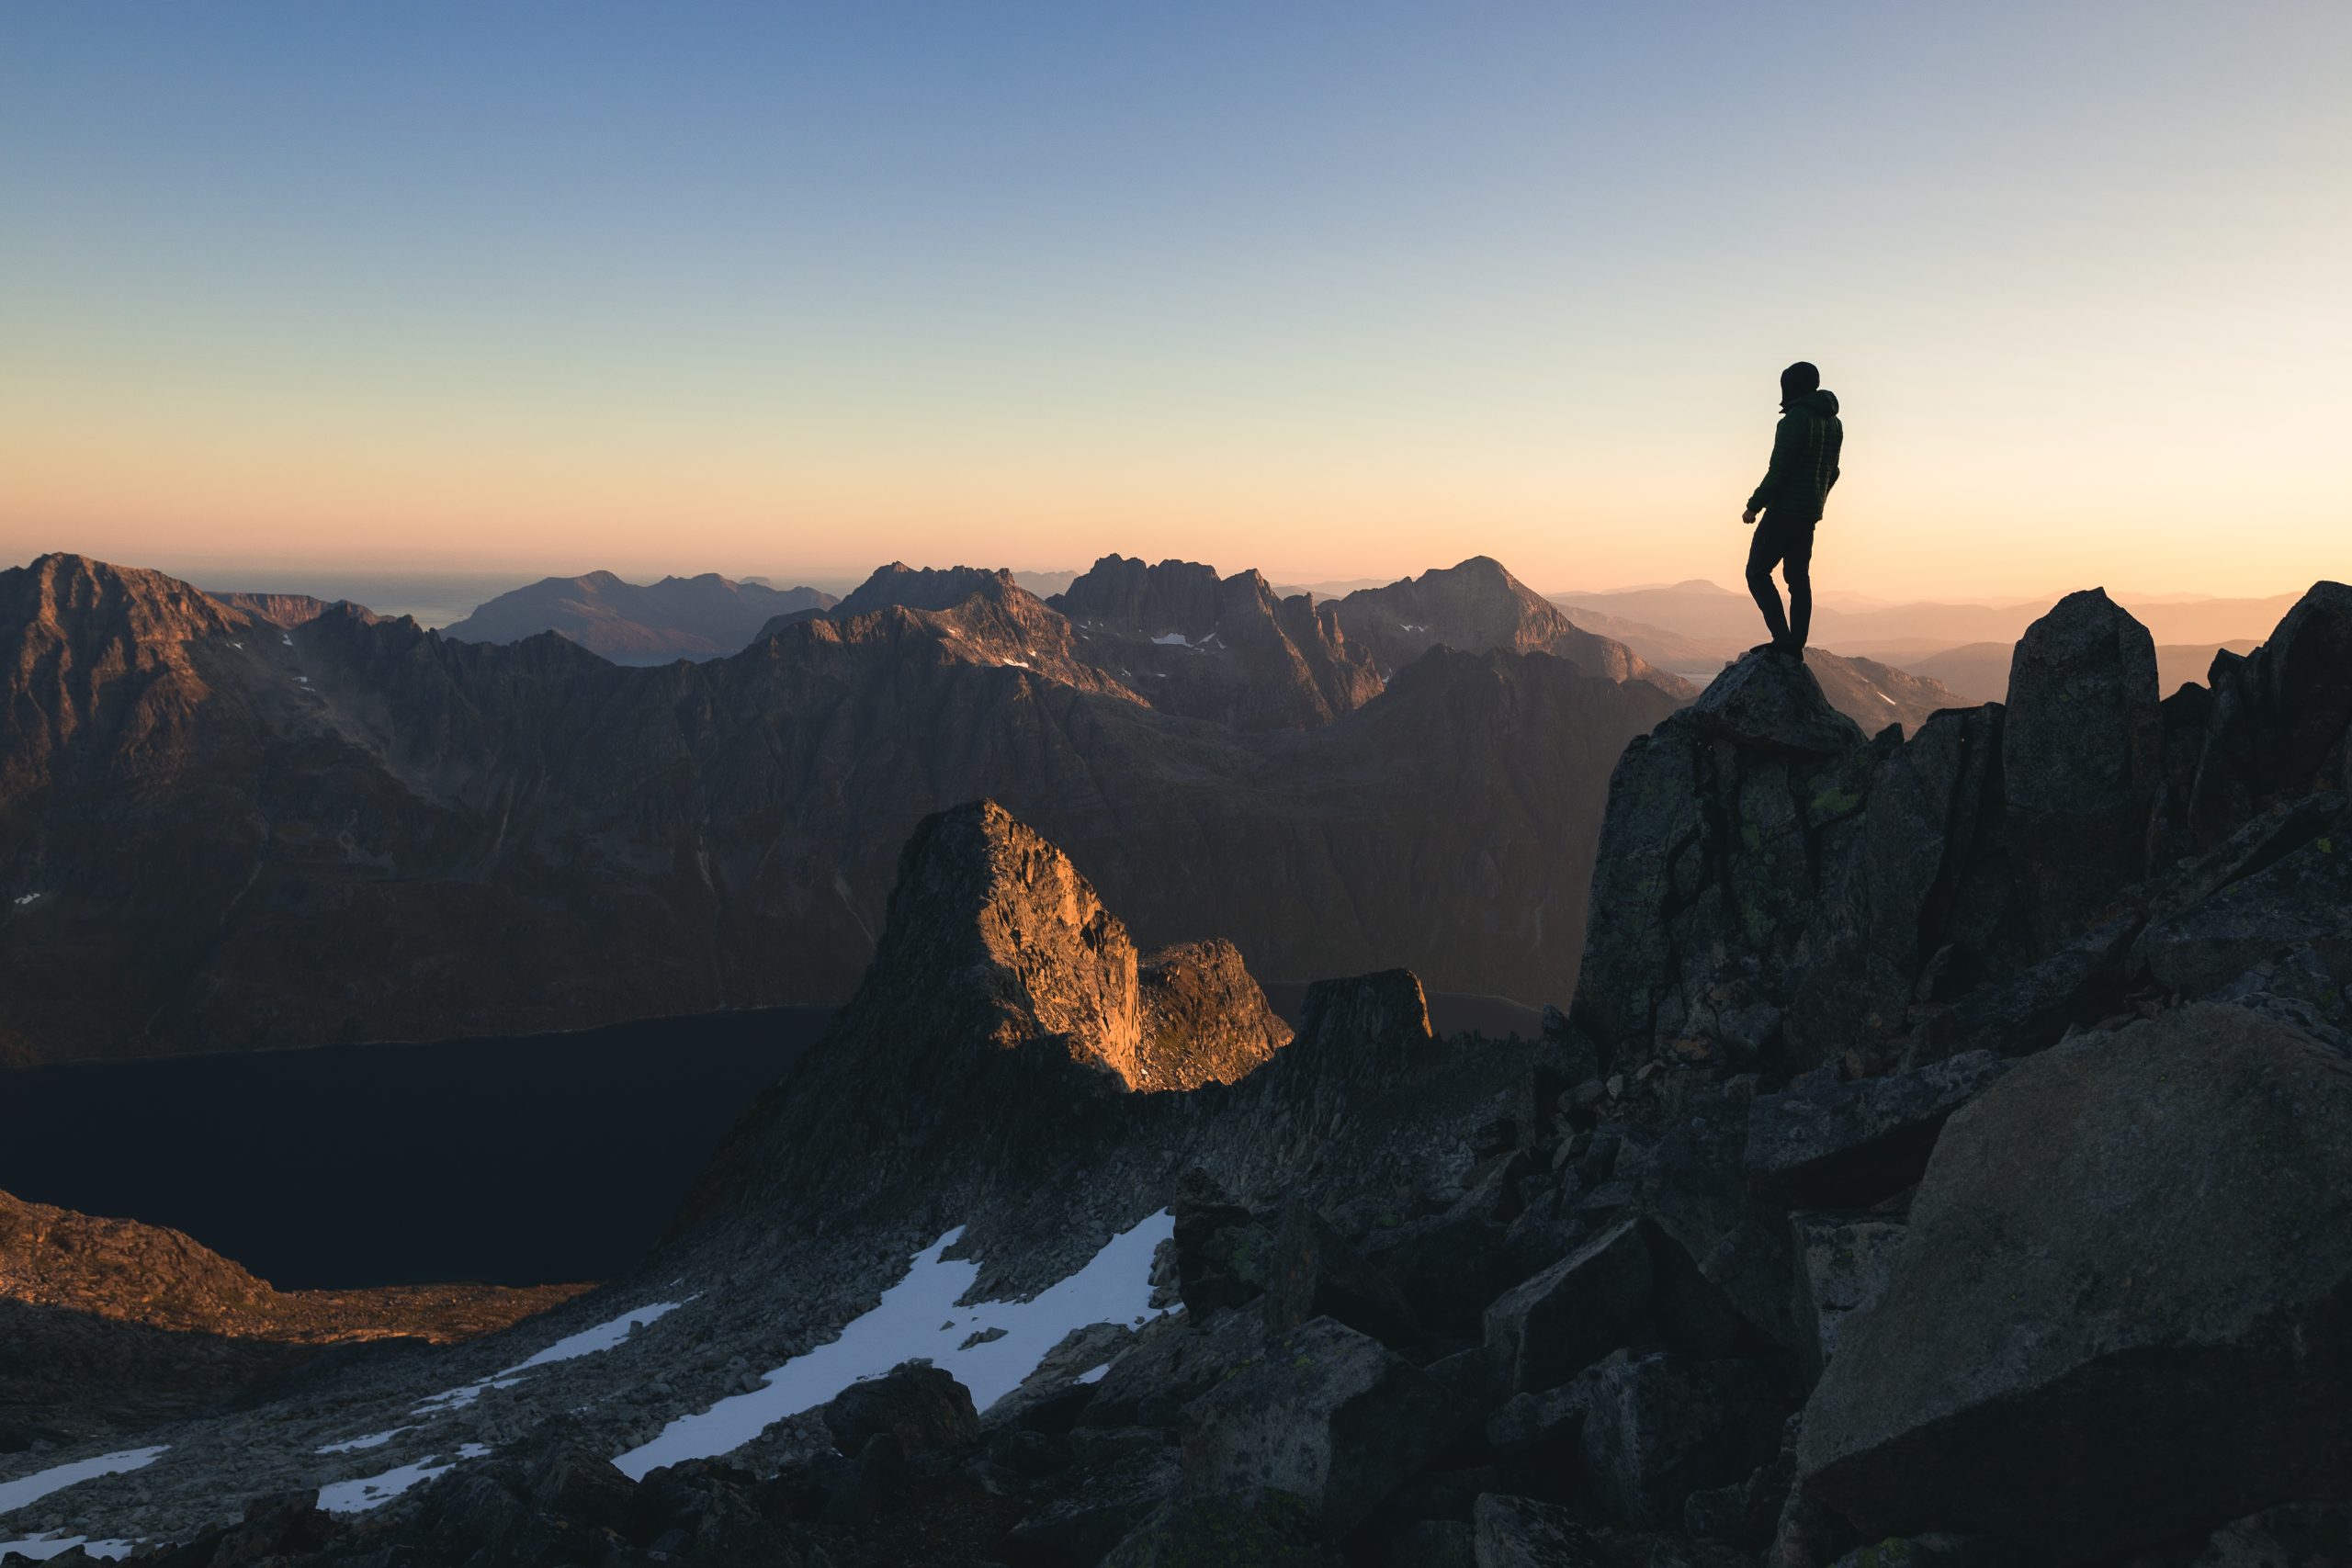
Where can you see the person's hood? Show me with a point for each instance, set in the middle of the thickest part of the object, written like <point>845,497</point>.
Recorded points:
<point>1822,403</point>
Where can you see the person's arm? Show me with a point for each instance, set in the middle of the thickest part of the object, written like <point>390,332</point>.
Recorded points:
<point>1836,449</point>
<point>1783,467</point>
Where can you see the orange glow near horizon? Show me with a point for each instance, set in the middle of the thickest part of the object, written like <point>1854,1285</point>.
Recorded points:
<point>303,290</point>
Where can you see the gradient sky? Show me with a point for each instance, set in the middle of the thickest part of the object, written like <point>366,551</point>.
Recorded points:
<point>1334,289</point>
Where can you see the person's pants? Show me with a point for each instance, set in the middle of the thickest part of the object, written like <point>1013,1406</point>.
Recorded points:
<point>1787,542</point>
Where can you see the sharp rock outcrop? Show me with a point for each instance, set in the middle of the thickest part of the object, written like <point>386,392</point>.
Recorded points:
<point>1773,889</point>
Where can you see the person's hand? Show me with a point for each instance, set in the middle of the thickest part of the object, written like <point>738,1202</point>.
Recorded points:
<point>1748,517</point>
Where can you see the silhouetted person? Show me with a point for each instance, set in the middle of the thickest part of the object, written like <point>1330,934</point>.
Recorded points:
<point>1804,465</point>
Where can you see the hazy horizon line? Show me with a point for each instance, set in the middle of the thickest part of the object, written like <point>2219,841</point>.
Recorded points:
<point>218,567</point>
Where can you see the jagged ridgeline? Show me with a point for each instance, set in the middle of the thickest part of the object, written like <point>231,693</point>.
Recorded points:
<point>235,825</point>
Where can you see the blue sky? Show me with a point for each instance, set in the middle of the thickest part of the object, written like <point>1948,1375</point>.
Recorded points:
<point>1334,290</point>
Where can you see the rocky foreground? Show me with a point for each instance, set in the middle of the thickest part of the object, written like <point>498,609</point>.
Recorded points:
<point>1947,1159</point>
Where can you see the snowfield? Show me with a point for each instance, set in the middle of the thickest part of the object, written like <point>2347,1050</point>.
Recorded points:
<point>372,1440</point>
<point>587,1342</point>
<point>603,1337</point>
<point>14,1494</point>
<point>917,1318</point>
<point>48,1544</point>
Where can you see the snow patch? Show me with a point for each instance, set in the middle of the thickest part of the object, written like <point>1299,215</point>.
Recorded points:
<point>24,898</point>
<point>1092,1374</point>
<point>1015,663</point>
<point>917,1318</point>
<point>372,1440</point>
<point>1882,697</point>
<point>458,1398</point>
<point>48,1544</point>
<point>603,1337</point>
<point>14,1494</point>
<point>587,1342</point>
<point>1173,639</point>
<point>375,1491</point>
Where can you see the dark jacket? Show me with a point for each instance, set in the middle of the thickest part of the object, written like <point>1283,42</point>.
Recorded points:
<point>1804,459</point>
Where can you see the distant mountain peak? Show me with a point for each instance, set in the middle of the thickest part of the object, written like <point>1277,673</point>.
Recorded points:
<point>99,596</point>
<point>705,617</point>
<point>926,588</point>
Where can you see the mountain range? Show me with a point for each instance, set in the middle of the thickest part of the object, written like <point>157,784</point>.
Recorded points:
<point>218,832</point>
<point>1942,1160</point>
<point>678,617</point>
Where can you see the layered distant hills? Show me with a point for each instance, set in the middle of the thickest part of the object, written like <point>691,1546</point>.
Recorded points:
<point>628,622</point>
<point>217,831</point>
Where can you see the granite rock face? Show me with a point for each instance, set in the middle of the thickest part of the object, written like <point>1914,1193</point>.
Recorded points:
<point>1327,1414</point>
<point>2277,717</point>
<point>1001,978</point>
<point>1774,892</point>
<point>1853,1144</point>
<point>2124,1307</point>
<point>2082,760</point>
<point>1661,1428</point>
<point>1725,827</point>
<point>1205,1019</point>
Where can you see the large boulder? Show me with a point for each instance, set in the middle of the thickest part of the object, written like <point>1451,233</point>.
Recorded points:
<point>921,1405</point>
<point>1843,1261</point>
<point>1662,1426</point>
<point>1521,1532</point>
<point>2082,760</point>
<point>2294,1535</point>
<point>1268,1528</point>
<point>1173,1361</point>
<point>2124,1309</point>
<point>1317,1274</point>
<point>1107,1504</point>
<point>1832,1144</point>
<point>1764,701</point>
<point>1693,1188</point>
<point>2304,899</point>
<point>1545,1330</point>
<point>1326,1414</point>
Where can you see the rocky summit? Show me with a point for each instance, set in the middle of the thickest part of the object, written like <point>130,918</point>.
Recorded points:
<point>1944,1160</point>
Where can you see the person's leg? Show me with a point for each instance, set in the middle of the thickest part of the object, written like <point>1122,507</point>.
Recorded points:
<point>1796,565</point>
<point>1763,554</point>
